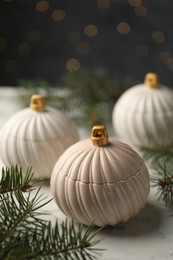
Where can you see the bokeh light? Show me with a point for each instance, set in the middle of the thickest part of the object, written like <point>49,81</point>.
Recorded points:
<point>90,30</point>
<point>165,56</point>
<point>24,48</point>
<point>103,4</point>
<point>123,28</point>
<point>135,3</point>
<point>44,38</point>
<point>158,37</point>
<point>140,11</point>
<point>72,64</point>
<point>42,6</point>
<point>58,15</point>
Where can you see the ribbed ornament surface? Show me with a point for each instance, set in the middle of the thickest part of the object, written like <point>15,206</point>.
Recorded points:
<point>143,116</point>
<point>107,184</point>
<point>37,139</point>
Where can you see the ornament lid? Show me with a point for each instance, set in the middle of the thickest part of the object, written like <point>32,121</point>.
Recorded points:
<point>99,135</point>
<point>151,80</point>
<point>37,102</point>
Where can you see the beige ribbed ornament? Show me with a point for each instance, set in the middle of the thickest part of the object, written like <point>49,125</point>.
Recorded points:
<point>36,137</point>
<point>143,115</point>
<point>100,180</point>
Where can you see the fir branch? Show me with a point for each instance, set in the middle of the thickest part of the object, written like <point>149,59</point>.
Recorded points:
<point>164,183</point>
<point>156,152</point>
<point>12,179</point>
<point>86,95</point>
<point>160,161</point>
<point>65,241</point>
<point>18,211</point>
<point>24,235</point>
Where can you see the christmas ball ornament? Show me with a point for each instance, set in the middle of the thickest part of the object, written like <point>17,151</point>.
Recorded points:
<point>100,180</point>
<point>35,137</point>
<point>143,115</point>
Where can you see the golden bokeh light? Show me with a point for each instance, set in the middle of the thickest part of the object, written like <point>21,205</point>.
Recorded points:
<point>82,48</point>
<point>158,37</point>
<point>73,37</point>
<point>123,28</point>
<point>58,15</point>
<point>42,6</point>
<point>103,4</point>
<point>142,50</point>
<point>141,11</point>
<point>34,36</point>
<point>135,3</point>
<point>24,48</point>
<point>165,56</point>
<point>3,44</point>
<point>72,64</point>
<point>91,30</point>
<point>11,66</point>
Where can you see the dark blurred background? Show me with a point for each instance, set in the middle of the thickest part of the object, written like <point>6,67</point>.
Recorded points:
<point>43,39</point>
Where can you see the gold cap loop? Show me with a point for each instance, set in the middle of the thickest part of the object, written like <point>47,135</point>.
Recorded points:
<point>37,102</point>
<point>99,135</point>
<point>151,80</point>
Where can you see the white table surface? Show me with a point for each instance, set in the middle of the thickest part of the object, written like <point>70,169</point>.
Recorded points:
<point>148,236</point>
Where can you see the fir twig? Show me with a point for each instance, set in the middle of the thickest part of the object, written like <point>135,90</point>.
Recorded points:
<point>12,179</point>
<point>18,211</point>
<point>65,241</point>
<point>164,183</point>
<point>156,152</point>
<point>86,95</point>
<point>24,235</point>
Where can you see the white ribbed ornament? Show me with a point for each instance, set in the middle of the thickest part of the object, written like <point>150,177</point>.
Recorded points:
<point>100,180</point>
<point>36,137</point>
<point>143,115</point>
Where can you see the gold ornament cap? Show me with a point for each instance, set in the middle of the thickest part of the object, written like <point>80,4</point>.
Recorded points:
<point>99,135</point>
<point>151,80</point>
<point>37,102</point>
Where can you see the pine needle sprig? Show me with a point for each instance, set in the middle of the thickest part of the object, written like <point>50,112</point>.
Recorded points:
<point>160,161</point>
<point>13,179</point>
<point>66,241</point>
<point>25,235</point>
<point>156,152</point>
<point>164,183</point>
<point>86,95</point>
<point>18,211</point>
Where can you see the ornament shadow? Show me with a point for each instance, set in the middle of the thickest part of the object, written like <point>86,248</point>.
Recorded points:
<point>148,220</point>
